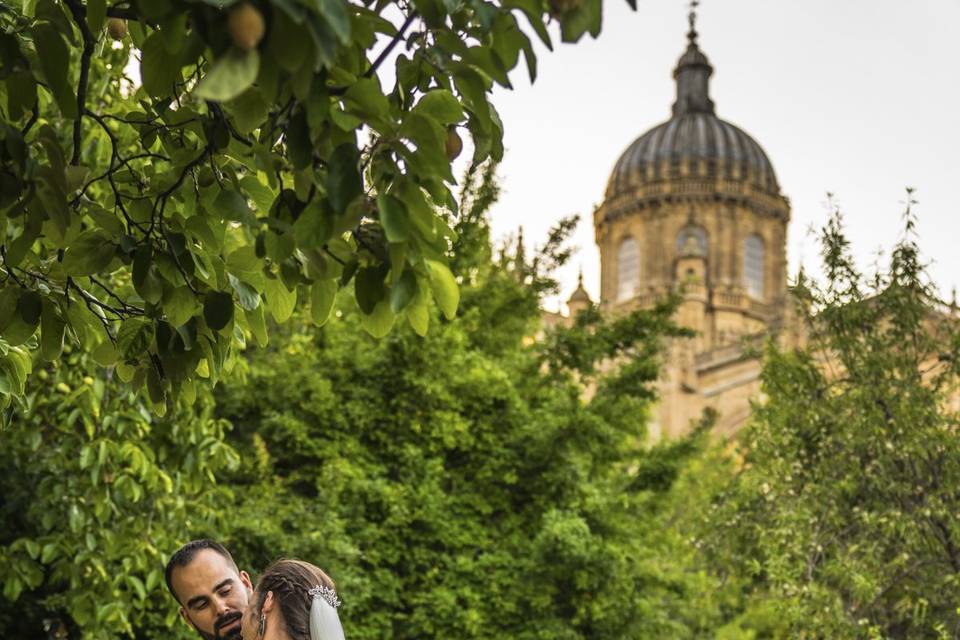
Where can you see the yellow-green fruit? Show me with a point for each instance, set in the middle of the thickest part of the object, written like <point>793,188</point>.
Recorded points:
<point>454,143</point>
<point>246,26</point>
<point>205,177</point>
<point>117,28</point>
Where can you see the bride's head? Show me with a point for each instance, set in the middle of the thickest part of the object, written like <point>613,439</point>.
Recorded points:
<point>280,607</point>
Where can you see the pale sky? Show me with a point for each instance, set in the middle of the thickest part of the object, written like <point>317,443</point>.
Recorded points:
<point>856,97</point>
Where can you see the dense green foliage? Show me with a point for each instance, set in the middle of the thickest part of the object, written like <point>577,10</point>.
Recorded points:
<point>846,512</point>
<point>95,492</point>
<point>459,486</point>
<point>456,485</point>
<point>158,222</point>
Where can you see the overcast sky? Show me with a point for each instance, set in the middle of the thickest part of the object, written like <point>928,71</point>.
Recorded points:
<point>859,98</point>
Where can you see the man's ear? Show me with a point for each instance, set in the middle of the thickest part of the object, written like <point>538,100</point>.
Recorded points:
<point>245,579</point>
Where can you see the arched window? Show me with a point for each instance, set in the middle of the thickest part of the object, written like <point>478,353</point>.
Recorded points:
<point>692,241</point>
<point>628,268</point>
<point>753,271</point>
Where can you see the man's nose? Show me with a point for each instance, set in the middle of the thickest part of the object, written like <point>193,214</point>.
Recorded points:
<point>222,606</point>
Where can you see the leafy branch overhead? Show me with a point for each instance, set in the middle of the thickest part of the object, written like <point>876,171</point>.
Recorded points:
<point>258,160</point>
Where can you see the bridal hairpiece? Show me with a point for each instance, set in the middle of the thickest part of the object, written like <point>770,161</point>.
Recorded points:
<point>325,592</point>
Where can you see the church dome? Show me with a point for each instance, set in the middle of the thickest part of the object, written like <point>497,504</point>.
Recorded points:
<point>692,135</point>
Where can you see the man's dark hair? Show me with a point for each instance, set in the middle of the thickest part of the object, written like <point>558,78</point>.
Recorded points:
<point>185,555</point>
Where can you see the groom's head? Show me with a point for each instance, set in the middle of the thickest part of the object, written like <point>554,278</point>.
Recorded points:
<point>212,593</point>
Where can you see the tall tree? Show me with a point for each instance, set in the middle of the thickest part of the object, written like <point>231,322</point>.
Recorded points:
<point>257,161</point>
<point>845,511</point>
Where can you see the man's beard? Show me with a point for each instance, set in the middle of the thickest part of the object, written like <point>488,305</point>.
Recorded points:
<point>223,621</point>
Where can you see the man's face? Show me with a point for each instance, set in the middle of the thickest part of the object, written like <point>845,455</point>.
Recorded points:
<point>212,595</point>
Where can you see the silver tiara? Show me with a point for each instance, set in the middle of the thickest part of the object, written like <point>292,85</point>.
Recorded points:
<point>325,592</point>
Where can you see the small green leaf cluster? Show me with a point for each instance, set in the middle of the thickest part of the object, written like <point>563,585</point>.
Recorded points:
<point>259,162</point>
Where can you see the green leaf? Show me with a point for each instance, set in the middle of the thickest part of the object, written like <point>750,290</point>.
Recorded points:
<point>229,76</point>
<point>430,137</point>
<point>533,10</point>
<point>280,300</point>
<point>261,194</point>
<point>418,313</point>
<point>323,294</point>
<point>394,218</point>
<point>49,553</point>
<point>403,292</point>
<point>8,305</point>
<point>367,99</point>
<point>159,71</point>
<point>180,304</point>
<point>105,354</point>
<point>52,327</point>
<point>137,585</point>
<point>314,226</point>
<point>155,387</point>
<point>88,254</point>
<point>134,337</point>
<point>19,332</point>
<point>256,320</point>
<point>441,105</point>
<point>96,14</point>
<point>380,321</point>
<point>288,42</point>
<point>343,177</point>
<point>336,16</point>
<point>586,17</point>
<point>249,110</point>
<point>217,309</point>
<point>54,60</point>
<point>247,296</point>
<point>21,94</point>
<point>29,307</point>
<point>444,287</point>
<point>369,288</point>
<point>232,205</point>
<point>244,262</point>
<point>12,587</point>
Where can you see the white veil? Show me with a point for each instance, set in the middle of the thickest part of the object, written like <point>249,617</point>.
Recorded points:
<point>324,621</point>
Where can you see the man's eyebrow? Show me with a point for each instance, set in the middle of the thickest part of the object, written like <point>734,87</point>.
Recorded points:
<point>223,583</point>
<point>194,601</point>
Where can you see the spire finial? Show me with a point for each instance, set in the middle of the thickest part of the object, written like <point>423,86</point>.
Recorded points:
<point>580,283</point>
<point>693,73</point>
<point>692,19</point>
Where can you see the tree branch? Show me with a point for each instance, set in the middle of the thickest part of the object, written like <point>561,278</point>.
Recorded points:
<point>89,41</point>
<point>393,43</point>
<point>337,91</point>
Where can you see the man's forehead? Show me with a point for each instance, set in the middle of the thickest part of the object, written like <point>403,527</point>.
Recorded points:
<point>205,571</point>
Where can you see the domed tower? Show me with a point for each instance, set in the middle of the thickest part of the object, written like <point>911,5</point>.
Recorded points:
<point>693,205</point>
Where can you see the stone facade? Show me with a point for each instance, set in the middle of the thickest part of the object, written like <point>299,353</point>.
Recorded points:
<point>694,206</point>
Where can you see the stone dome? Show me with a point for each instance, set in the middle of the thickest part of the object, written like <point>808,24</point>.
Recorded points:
<point>693,134</point>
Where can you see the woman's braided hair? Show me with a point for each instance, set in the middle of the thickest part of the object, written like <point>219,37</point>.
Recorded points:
<point>290,581</point>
